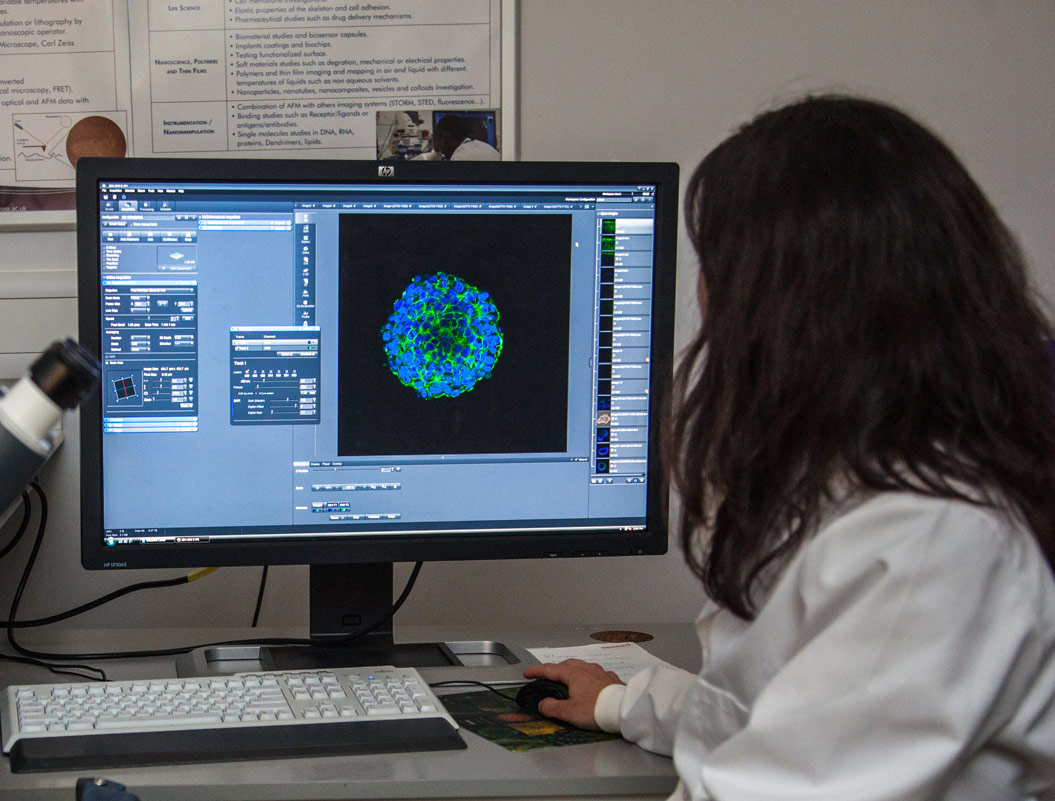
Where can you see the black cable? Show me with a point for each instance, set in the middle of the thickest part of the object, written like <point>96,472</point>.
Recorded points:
<point>268,641</point>
<point>44,621</point>
<point>260,596</point>
<point>402,596</point>
<point>61,670</point>
<point>11,623</point>
<point>21,526</point>
<point>85,607</point>
<point>472,683</point>
<point>175,582</point>
<point>35,657</point>
<point>29,657</point>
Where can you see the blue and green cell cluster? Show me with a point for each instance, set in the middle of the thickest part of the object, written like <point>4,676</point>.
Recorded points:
<point>442,336</point>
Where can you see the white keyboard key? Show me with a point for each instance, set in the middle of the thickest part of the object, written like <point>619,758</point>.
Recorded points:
<point>382,710</point>
<point>157,722</point>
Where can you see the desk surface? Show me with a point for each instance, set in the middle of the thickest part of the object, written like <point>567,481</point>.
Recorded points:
<point>483,770</point>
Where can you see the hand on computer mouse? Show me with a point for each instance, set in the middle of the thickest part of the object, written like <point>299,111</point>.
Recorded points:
<point>584,682</point>
<point>529,696</point>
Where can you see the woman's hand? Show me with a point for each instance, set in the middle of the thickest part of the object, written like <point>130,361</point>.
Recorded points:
<point>584,681</point>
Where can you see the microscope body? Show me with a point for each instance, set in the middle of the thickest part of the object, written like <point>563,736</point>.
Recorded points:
<point>30,412</point>
<point>28,419</point>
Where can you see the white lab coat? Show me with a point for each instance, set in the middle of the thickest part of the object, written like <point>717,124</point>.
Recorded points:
<point>475,150</point>
<point>906,652</point>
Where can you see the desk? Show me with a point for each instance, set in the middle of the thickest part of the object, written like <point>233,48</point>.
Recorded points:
<point>484,770</point>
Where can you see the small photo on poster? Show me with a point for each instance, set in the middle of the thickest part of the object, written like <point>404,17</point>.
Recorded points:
<point>438,135</point>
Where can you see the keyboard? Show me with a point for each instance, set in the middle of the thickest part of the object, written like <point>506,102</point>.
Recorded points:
<point>264,715</point>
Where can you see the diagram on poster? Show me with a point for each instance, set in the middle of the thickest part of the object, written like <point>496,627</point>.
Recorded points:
<point>47,145</point>
<point>240,78</point>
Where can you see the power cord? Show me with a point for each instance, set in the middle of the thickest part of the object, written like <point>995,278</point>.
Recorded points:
<point>11,623</point>
<point>21,526</point>
<point>261,641</point>
<point>80,671</point>
<point>260,596</point>
<point>473,683</point>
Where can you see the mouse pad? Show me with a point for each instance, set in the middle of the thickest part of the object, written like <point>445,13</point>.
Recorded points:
<point>503,722</point>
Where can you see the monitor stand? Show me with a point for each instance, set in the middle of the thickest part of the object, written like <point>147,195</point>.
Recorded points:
<point>344,600</point>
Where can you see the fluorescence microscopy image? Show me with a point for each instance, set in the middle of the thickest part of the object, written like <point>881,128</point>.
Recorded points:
<point>442,336</point>
<point>453,377</point>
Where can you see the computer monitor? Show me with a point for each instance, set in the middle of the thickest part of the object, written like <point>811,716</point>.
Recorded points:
<point>350,364</point>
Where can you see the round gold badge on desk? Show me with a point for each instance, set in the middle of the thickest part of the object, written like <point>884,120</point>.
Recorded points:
<point>621,636</point>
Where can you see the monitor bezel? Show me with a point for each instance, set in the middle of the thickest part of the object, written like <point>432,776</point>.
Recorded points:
<point>364,548</point>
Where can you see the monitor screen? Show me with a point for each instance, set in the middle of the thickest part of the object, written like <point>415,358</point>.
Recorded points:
<point>341,362</point>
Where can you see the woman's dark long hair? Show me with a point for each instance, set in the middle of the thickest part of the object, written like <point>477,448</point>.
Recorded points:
<point>869,325</point>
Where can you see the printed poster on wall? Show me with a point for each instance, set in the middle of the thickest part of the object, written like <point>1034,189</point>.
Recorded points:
<point>241,79</point>
<point>63,94</point>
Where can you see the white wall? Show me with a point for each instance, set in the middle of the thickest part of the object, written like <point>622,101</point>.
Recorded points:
<point>631,80</point>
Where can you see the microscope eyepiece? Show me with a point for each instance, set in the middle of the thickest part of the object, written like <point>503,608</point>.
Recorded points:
<point>66,373</point>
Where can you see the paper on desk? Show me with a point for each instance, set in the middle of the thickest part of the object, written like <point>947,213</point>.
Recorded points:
<point>622,658</point>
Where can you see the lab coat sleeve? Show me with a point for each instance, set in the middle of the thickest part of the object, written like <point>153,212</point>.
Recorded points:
<point>647,709</point>
<point>906,639</point>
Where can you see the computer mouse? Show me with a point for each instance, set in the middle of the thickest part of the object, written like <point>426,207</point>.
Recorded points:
<point>534,691</point>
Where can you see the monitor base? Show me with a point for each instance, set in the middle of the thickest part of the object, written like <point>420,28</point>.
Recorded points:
<point>227,659</point>
<point>423,654</point>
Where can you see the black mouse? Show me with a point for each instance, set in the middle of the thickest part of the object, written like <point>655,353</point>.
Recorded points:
<point>534,691</point>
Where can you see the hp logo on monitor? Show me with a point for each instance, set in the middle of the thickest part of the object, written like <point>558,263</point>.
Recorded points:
<point>385,170</point>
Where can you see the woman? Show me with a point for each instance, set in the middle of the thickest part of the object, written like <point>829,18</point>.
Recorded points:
<point>863,442</point>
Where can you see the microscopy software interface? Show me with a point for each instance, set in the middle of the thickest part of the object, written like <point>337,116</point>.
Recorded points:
<point>325,360</point>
